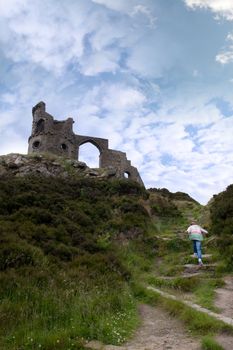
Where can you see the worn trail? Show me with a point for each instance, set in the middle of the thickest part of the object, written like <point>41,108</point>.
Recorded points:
<point>158,331</point>
<point>225,319</point>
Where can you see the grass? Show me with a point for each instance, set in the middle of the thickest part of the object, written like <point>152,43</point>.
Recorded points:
<point>53,309</point>
<point>178,283</point>
<point>68,251</point>
<point>208,343</point>
<point>205,293</point>
<point>71,253</point>
<point>203,289</point>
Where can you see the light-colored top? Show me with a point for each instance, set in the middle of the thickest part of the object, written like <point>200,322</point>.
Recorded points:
<point>196,232</point>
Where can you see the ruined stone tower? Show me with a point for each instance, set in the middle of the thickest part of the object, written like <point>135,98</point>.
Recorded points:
<point>57,137</point>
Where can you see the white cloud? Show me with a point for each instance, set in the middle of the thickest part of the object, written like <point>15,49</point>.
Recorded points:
<point>219,7</point>
<point>130,7</point>
<point>140,9</point>
<point>201,155</point>
<point>46,41</point>
<point>12,142</point>
<point>102,61</point>
<point>119,97</point>
<point>227,55</point>
<point>80,33</point>
<point>89,154</point>
<point>8,98</point>
<point>12,7</point>
<point>119,5</point>
<point>222,8</point>
<point>57,38</point>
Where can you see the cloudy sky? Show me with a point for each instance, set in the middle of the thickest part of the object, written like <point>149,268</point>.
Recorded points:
<point>155,77</point>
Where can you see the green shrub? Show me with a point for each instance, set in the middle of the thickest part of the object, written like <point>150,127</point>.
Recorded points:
<point>177,244</point>
<point>221,210</point>
<point>19,254</point>
<point>208,343</point>
<point>63,275</point>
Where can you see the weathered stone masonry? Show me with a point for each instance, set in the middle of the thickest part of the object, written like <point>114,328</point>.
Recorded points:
<point>57,137</point>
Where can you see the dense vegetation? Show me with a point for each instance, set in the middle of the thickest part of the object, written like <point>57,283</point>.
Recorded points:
<point>73,249</point>
<point>164,192</point>
<point>68,251</point>
<point>221,214</point>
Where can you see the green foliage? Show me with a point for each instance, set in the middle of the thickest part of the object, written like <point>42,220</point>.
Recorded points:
<point>177,245</point>
<point>165,208</point>
<point>175,196</point>
<point>65,217</point>
<point>42,305</point>
<point>208,343</point>
<point>205,294</point>
<point>14,255</point>
<point>178,283</point>
<point>203,289</point>
<point>71,253</point>
<point>221,211</point>
<point>64,276</point>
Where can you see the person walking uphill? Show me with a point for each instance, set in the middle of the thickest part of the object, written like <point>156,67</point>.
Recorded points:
<point>196,235</point>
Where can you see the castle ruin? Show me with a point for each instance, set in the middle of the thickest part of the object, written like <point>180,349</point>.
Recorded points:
<point>57,137</point>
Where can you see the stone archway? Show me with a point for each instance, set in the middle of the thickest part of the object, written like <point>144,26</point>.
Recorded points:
<point>100,144</point>
<point>89,153</point>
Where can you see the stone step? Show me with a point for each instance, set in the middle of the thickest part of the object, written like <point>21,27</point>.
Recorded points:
<point>192,274</point>
<point>204,256</point>
<point>192,268</point>
<point>184,275</point>
<point>164,238</point>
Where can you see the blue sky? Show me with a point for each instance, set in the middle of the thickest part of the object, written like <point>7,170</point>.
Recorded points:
<point>155,77</point>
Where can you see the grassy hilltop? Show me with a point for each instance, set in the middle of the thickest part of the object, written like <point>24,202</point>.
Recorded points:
<point>74,248</point>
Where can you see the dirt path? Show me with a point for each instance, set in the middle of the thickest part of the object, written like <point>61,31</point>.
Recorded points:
<point>158,331</point>
<point>220,317</point>
<point>224,299</point>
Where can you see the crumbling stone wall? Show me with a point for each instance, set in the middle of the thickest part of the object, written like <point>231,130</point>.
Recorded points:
<point>57,137</point>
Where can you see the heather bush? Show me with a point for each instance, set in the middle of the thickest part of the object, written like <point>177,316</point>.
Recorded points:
<point>63,274</point>
<point>221,210</point>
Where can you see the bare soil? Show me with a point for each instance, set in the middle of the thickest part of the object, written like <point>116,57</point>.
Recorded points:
<point>226,341</point>
<point>224,298</point>
<point>224,301</point>
<point>158,331</point>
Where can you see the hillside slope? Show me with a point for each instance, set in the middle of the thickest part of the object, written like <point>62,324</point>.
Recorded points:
<point>69,247</point>
<point>75,245</point>
<point>221,216</point>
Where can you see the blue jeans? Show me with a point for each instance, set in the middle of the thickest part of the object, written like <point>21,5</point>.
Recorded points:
<point>197,248</point>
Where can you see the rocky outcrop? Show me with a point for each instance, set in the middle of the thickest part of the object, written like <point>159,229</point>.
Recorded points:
<point>49,166</point>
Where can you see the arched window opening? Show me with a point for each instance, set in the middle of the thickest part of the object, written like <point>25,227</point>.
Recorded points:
<point>89,154</point>
<point>40,126</point>
<point>126,175</point>
<point>64,147</point>
<point>36,144</point>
